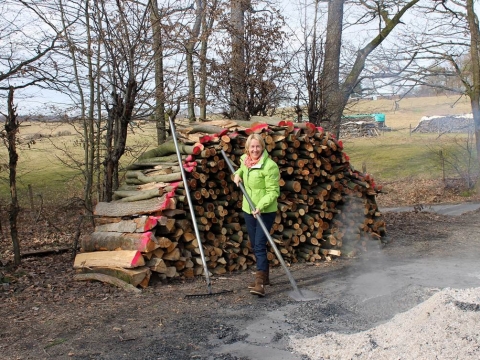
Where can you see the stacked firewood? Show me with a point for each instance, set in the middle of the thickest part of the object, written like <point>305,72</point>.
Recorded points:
<point>326,208</point>
<point>359,129</point>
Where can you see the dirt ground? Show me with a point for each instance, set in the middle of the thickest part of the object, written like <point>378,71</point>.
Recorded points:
<point>47,315</point>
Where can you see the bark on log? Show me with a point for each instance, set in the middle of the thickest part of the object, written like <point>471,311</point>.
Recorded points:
<point>151,206</point>
<point>128,196</point>
<point>143,179</point>
<point>168,148</point>
<point>134,277</point>
<point>141,224</point>
<point>157,265</point>
<point>110,241</point>
<point>109,280</point>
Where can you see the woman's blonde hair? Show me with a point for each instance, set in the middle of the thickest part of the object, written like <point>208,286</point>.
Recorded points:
<point>257,137</point>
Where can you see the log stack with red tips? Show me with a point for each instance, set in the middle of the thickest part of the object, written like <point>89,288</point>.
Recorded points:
<point>326,208</point>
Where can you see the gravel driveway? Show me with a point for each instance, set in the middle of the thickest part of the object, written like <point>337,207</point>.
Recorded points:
<point>47,315</point>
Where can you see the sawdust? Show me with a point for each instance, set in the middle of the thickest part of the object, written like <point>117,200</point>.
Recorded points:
<point>443,327</point>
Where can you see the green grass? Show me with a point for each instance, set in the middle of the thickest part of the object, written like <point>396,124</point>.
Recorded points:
<point>394,156</point>
<point>40,167</point>
<point>390,157</point>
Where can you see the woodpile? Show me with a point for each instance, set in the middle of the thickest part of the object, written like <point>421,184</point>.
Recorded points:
<point>353,129</point>
<point>360,126</point>
<point>326,208</point>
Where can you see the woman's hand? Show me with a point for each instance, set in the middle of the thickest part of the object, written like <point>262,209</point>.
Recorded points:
<point>255,212</point>
<point>237,179</point>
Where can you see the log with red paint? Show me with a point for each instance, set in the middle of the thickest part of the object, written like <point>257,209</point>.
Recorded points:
<point>326,208</point>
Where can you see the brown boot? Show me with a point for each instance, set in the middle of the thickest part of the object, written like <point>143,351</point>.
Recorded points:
<point>259,288</point>
<point>267,280</point>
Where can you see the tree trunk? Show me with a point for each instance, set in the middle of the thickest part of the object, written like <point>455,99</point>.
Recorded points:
<point>238,99</point>
<point>313,63</point>
<point>337,95</point>
<point>474,91</point>
<point>159,77</point>
<point>207,25</point>
<point>89,130</point>
<point>119,115</point>
<point>331,69</point>
<point>190,46</point>
<point>11,127</point>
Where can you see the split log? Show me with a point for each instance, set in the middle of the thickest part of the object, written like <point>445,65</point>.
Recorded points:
<point>173,255</point>
<point>331,252</point>
<point>122,258</point>
<point>157,265</point>
<point>171,271</point>
<point>143,179</point>
<point>167,227</point>
<point>164,242</point>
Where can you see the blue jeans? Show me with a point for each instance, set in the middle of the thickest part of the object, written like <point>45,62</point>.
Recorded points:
<point>258,239</point>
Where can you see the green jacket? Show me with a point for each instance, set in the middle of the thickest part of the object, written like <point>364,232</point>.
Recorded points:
<point>262,184</point>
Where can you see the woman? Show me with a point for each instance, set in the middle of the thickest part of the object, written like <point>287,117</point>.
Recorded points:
<point>261,178</point>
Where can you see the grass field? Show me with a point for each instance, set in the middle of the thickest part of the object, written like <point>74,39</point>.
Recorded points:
<point>401,154</point>
<point>48,167</point>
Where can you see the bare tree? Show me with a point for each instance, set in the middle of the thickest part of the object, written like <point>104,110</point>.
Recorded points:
<point>334,66</point>
<point>209,16</point>
<point>390,15</point>
<point>25,61</point>
<point>87,92</point>
<point>157,43</point>
<point>238,99</point>
<point>126,38</point>
<point>447,36</point>
<point>260,87</point>
<point>473,89</point>
<point>110,50</point>
<point>10,138</point>
<point>28,37</point>
<point>307,69</point>
<point>190,44</point>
